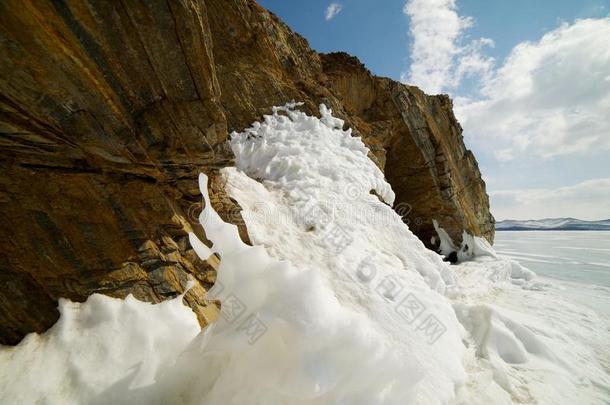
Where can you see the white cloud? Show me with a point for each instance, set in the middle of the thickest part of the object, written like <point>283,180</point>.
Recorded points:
<point>439,58</point>
<point>332,10</point>
<point>544,109</point>
<point>549,98</point>
<point>589,200</point>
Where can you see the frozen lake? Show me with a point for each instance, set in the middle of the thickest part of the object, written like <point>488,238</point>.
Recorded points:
<point>579,259</point>
<point>579,256</point>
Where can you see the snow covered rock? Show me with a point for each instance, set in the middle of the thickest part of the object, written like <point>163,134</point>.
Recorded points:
<point>336,302</point>
<point>106,130</point>
<point>345,307</point>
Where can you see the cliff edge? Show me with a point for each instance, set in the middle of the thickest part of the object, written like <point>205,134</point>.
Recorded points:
<point>109,110</point>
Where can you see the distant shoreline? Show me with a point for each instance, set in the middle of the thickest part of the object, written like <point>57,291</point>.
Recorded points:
<point>552,224</point>
<point>554,229</point>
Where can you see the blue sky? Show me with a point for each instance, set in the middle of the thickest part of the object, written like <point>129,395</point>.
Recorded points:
<point>377,31</point>
<point>530,81</point>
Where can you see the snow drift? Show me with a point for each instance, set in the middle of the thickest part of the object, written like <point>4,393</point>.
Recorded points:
<point>337,302</point>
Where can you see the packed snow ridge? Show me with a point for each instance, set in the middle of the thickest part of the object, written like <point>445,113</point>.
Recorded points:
<point>336,302</point>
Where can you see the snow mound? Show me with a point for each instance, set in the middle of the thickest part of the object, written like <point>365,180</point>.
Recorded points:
<point>372,287</point>
<point>104,350</point>
<point>305,156</point>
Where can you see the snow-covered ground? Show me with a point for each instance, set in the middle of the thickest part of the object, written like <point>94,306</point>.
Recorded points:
<point>528,343</point>
<point>337,302</point>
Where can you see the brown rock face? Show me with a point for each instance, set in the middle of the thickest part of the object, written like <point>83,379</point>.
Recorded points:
<point>419,144</point>
<point>109,110</point>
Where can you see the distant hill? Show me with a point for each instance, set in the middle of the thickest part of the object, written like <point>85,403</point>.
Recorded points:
<point>553,224</point>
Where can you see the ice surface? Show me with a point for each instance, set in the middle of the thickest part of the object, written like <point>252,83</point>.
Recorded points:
<point>337,302</point>
<point>526,342</point>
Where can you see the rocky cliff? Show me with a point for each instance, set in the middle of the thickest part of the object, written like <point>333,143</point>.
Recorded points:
<point>109,110</point>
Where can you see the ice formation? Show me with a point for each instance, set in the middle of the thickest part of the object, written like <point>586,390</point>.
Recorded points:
<point>340,297</point>
<point>102,351</point>
<point>337,302</point>
<point>470,248</point>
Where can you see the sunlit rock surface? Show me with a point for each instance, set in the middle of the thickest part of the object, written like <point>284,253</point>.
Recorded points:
<point>109,112</point>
